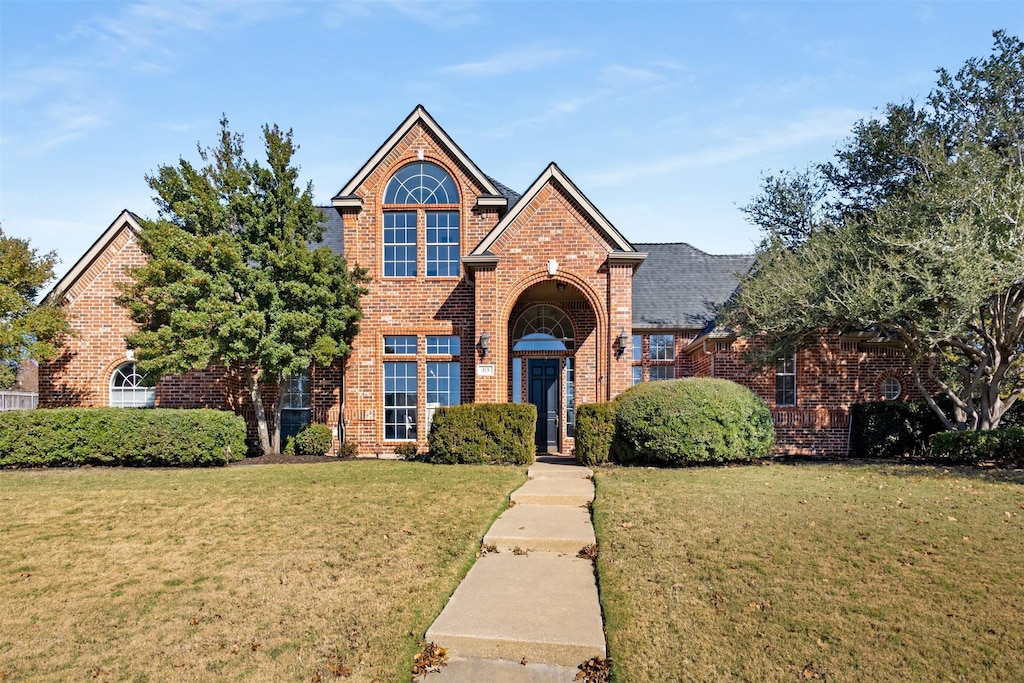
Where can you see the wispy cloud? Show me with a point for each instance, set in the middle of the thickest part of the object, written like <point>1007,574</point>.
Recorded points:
<point>85,87</point>
<point>531,58</point>
<point>830,124</point>
<point>443,16</point>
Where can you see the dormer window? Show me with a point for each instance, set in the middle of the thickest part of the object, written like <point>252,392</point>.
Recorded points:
<point>426,185</point>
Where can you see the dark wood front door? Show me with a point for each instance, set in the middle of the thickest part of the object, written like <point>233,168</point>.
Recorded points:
<point>543,393</point>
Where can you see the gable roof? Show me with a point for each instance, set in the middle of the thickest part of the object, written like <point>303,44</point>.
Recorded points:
<point>126,219</point>
<point>680,286</point>
<point>553,173</point>
<point>418,115</point>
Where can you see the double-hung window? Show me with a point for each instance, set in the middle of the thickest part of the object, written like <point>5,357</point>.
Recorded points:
<point>785,381</point>
<point>400,244</point>
<point>663,347</point>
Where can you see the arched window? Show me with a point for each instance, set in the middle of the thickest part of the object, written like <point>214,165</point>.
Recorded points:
<point>421,183</point>
<point>543,328</point>
<point>128,388</point>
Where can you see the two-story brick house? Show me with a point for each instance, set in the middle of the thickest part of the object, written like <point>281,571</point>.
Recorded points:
<point>481,294</point>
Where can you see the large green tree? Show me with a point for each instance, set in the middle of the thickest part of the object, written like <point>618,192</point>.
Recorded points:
<point>921,242</point>
<point>231,279</point>
<point>27,330</point>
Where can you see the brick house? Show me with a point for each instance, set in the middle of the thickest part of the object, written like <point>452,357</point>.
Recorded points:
<point>482,294</point>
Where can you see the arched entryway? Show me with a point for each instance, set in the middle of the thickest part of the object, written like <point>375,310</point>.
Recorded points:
<point>553,359</point>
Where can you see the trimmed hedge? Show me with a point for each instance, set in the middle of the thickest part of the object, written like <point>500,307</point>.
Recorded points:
<point>1003,446</point>
<point>495,433</point>
<point>595,430</point>
<point>314,439</point>
<point>891,430</point>
<point>61,437</point>
<point>696,420</point>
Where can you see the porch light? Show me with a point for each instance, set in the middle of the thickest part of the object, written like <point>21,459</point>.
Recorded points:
<point>623,340</point>
<point>485,344</point>
<point>560,286</point>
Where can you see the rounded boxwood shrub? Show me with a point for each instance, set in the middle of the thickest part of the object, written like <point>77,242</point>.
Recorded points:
<point>691,421</point>
<point>595,428</point>
<point>314,439</point>
<point>495,433</point>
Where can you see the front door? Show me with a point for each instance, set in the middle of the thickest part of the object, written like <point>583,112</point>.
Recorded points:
<point>543,393</point>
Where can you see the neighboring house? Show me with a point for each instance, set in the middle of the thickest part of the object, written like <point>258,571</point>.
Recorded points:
<point>480,294</point>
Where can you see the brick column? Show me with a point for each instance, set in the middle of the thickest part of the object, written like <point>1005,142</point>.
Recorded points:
<point>620,317</point>
<point>489,388</point>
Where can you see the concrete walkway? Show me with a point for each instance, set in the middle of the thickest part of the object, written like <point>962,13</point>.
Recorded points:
<point>528,612</point>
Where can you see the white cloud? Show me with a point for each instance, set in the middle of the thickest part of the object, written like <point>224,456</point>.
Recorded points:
<point>443,16</point>
<point>831,124</point>
<point>515,61</point>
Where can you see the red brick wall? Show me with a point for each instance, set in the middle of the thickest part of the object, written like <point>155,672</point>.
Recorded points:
<point>81,375</point>
<point>830,377</point>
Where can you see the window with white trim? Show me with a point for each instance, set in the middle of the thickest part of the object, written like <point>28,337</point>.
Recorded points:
<point>638,348</point>
<point>296,404</point>
<point>638,374</point>
<point>446,345</point>
<point>400,387</point>
<point>128,388</point>
<point>421,183</point>
<point>400,244</point>
<point>443,384</point>
<point>443,243</point>
<point>785,381</point>
<point>891,388</point>
<point>658,372</point>
<point>398,345</point>
<point>663,347</point>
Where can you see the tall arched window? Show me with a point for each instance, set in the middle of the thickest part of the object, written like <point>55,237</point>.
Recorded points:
<point>425,184</point>
<point>128,388</point>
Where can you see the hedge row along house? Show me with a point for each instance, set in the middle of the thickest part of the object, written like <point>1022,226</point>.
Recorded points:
<point>482,294</point>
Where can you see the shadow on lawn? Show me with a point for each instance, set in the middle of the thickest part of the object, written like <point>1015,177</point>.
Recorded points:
<point>920,469</point>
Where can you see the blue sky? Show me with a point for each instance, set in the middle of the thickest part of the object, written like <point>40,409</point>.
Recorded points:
<point>664,113</point>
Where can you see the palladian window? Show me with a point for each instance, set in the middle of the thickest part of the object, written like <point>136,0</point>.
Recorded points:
<point>543,328</point>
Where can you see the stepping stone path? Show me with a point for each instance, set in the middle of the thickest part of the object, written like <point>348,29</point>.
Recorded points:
<point>530,611</point>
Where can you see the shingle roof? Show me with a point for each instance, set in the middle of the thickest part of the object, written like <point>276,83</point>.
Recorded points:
<point>511,195</point>
<point>333,234</point>
<point>679,286</point>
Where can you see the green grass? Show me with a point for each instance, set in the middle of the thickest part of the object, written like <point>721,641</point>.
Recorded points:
<point>269,573</point>
<point>812,572</point>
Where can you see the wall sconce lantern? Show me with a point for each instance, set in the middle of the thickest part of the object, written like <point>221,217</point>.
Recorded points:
<point>485,344</point>
<point>560,286</point>
<point>623,339</point>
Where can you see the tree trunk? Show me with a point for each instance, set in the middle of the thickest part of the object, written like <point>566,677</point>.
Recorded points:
<point>256,396</point>
<point>278,405</point>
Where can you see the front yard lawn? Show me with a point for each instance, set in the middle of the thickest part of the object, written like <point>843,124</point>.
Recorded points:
<point>269,573</point>
<point>812,572</point>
